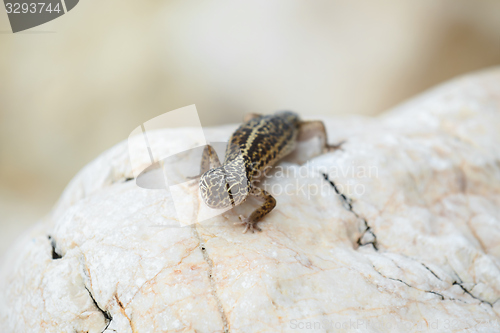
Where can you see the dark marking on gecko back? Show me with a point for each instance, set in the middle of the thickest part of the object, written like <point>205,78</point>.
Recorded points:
<point>258,143</point>
<point>261,142</point>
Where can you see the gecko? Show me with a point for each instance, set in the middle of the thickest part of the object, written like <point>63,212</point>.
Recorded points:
<point>260,142</point>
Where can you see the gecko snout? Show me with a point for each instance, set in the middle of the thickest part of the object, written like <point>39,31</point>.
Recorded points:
<point>223,188</point>
<point>214,189</point>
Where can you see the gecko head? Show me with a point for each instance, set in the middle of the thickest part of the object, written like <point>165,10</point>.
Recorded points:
<point>220,188</point>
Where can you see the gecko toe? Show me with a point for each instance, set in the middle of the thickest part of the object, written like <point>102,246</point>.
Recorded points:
<point>249,225</point>
<point>330,148</point>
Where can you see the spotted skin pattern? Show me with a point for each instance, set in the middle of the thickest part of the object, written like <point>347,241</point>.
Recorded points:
<point>256,145</point>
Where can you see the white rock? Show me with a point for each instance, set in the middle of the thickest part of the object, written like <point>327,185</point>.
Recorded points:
<point>424,178</point>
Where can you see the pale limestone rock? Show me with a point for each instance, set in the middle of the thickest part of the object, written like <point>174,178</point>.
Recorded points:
<point>411,241</point>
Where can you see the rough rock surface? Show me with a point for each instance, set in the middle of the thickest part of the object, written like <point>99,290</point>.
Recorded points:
<point>397,232</point>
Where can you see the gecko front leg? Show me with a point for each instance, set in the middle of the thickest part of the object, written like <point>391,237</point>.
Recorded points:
<point>209,160</point>
<point>268,205</point>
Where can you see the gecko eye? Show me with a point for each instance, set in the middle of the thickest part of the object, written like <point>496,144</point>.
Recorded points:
<point>214,189</point>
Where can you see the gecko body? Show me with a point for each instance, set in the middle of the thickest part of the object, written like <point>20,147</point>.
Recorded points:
<point>257,144</point>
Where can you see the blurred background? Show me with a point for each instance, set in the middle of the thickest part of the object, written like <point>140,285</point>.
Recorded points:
<point>73,87</point>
